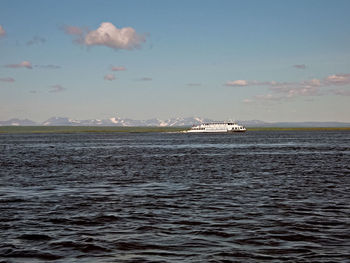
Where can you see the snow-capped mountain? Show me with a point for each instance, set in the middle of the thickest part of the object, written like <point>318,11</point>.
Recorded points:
<point>172,122</point>
<point>18,122</point>
<point>117,121</point>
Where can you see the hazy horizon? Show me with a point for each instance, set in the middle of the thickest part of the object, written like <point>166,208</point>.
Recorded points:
<point>274,61</point>
<point>188,120</point>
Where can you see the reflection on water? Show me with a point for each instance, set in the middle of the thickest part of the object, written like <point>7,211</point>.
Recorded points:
<point>253,197</point>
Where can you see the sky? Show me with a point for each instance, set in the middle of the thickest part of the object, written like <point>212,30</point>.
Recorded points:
<point>247,60</point>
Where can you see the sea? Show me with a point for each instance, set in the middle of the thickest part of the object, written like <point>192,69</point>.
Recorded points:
<point>259,196</point>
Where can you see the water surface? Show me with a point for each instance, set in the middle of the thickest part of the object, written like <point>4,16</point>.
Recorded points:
<point>268,196</point>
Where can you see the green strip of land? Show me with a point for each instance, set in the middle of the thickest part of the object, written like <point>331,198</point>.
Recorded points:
<point>109,129</point>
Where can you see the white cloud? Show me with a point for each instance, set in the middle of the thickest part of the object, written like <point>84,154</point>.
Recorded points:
<point>288,90</point>
<point>312,83</point>
<point>56,88</point>
<point>237,83</point>
<point>23,64</point>
<point>107,35</point>
<point>2,31</point>
<point>338,79</point>
<point>303,91</point>
<point>109,77</point>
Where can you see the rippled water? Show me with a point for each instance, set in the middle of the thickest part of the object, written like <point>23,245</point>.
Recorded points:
<point>157,197</point>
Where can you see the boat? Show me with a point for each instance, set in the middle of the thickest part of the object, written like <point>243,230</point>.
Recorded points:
<point>217,127</point>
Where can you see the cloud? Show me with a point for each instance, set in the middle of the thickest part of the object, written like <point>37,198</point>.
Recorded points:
<point>245,83</point>
<point>312,83</point>
<point>36,40</point>
<point>107,35</point>
<point>288,90</point>
<point>23,64</point>
<point>120,68</point>
<point>303,91</point>
<point>28,65</point>
<point>300,66</point>
<point>73,30</point>
<point>338,79</point>
<point>237,83</point>
<point>2,31</point>
<point>7,79</point>
<point>77,32</point>
<point>56,88</point>
<point>109,77</point>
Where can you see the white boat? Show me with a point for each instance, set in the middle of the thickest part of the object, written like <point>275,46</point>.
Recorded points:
<point>217,127</point>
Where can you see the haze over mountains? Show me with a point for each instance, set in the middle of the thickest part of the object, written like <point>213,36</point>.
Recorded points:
<point>172,122</point>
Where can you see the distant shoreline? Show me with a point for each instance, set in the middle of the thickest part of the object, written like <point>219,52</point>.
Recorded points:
<point>128,129</point>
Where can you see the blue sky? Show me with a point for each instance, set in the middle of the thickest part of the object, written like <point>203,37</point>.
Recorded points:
<point>266,60</point>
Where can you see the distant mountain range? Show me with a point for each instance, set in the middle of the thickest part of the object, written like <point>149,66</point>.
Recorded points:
<point>173,122</point>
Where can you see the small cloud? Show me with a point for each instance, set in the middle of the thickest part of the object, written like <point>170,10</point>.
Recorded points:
<point>73,30</point>
<point>48,66</point>
<point>312,82</point>
<point>300,66</point>
<point>2,31</point>
<point>33,91</point>
<point>109,77</point>
<point>56,88</point>
<point>303,91</point>
<point>144,79</point>
<point>77,32</point>
<point>120,68</point>
<point>338,79</point>
<point>23,64</point>
<point>107,35</point>
<point>288,90</point>
<point>36,40</point>
<point>237,83</point>
<point>7,79</point>
<point>194,84</point>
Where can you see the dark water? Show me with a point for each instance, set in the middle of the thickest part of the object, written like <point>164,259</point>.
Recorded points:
<point>253,197</point>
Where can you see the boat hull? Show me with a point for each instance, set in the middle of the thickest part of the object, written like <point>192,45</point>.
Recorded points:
<point>223,131</point>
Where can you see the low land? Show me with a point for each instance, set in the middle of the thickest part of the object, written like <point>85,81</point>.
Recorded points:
<point>84,129</point>
<point>109,129</point>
